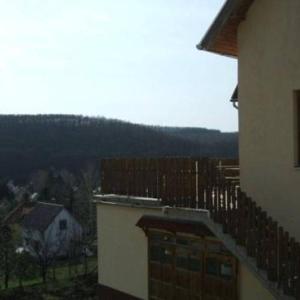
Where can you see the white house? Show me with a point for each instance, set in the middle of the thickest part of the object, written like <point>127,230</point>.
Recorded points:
<point>49,229</point>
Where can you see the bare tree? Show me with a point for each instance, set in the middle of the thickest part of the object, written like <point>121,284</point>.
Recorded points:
<point>44,250</point>
<point>89,177</point>
<point>7,251</point>
<point>24,266</point>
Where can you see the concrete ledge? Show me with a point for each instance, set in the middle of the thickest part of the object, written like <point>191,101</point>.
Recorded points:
<point>127,200</point>
<point>186,213</point>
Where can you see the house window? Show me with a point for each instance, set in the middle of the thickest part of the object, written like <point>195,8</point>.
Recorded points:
<point>297,126</point>
<point>62,224</point>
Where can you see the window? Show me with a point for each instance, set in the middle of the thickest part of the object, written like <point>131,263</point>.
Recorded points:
<point>62,224</point>
<point>297,126</point>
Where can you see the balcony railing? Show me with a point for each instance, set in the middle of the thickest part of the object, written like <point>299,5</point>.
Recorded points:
<point>176,181</point>
<point>212,184</point>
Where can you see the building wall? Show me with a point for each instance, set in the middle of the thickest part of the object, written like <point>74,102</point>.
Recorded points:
<point>269,72</point>
<point>52,239</point>
<point>123,255</point>
<point>123,249</point>
<point>249,287</point>
<point>59,240</point>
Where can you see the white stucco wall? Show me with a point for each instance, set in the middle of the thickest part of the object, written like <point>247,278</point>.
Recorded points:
<point>61,239</point>
<point>269,72</point>
<point>250,288</point>
<point>123,249</point>
<point>123,254</point>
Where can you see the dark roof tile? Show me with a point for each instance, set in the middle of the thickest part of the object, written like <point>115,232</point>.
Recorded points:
<point>41,216</point>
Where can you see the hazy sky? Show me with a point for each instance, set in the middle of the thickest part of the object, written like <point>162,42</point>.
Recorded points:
<point>128,59</point>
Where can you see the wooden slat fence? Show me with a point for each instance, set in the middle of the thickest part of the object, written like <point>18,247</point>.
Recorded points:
<point>174,180</point>
<point>212,184</point>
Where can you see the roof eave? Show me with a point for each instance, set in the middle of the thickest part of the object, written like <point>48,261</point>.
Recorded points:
<point>207,43</point>
<point>215,51</point>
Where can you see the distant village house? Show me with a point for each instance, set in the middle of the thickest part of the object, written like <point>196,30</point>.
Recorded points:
<point>46,228</point>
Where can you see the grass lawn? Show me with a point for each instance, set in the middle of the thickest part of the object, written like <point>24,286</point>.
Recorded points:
<point>78,288</point>
<point>63,272</point>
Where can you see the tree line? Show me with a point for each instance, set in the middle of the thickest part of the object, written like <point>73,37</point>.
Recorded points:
<point>32,142</point>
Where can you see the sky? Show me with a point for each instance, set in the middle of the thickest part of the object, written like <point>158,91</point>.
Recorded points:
<point>133,60</point>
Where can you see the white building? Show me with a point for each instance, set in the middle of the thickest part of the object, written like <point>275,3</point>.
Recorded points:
<point>49,229</point>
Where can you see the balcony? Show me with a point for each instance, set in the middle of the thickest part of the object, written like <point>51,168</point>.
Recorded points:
<point>213,185</point>
<point>179,182</point>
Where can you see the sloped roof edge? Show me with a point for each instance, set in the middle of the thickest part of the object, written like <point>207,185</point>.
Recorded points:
<point>174,225</point>
<point>221,37</point>
<point>17,213</point>
<point>42,216</point>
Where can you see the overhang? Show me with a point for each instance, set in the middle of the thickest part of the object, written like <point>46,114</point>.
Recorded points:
<point>173,225</point>
<point>221,37</point>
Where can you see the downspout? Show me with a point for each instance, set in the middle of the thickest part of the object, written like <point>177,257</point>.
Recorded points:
<point>235,103</point>
<point>235,98</point>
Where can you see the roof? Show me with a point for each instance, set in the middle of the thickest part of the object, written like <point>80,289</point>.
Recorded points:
<point>41,216</point>
<point>18,212</point>
<point>221,37</point>
<point>173,225</point>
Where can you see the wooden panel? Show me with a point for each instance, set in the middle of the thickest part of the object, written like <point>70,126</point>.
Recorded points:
<point>220,277</point>
<point>225,41</point>
<point>177,181</point>
<point>185,276</point>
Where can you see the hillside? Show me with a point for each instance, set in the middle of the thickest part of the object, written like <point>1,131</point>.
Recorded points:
<point>31,142</point>
<point>219,143</point>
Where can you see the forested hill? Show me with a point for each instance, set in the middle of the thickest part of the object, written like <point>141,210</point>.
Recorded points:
<point>28,142</point>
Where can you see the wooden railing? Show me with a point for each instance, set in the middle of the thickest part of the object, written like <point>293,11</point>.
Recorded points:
<point>176,181</point>
<point>213,185</point>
